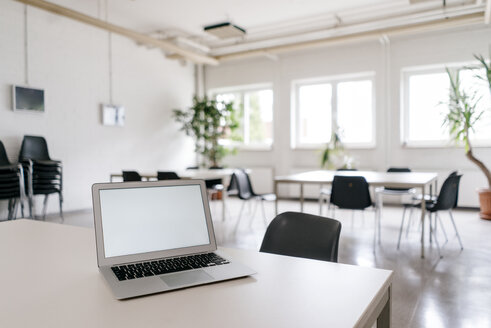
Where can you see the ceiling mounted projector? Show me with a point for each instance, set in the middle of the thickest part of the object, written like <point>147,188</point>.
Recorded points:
<point>225,30</point>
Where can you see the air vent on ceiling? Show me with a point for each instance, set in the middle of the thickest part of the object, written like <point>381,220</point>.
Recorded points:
<point>225,30</point>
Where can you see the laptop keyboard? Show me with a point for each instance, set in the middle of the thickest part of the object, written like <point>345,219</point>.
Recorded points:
<point>176,264</point>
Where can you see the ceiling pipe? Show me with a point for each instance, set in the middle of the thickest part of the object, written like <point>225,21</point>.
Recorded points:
<point>360,28</point>
<point>358,37</point>
<point>138,37</point>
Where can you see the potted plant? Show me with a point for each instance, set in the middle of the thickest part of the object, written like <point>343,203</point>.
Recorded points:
<point>207,121</point>
<point>334,156</point>
<point>461,119</point>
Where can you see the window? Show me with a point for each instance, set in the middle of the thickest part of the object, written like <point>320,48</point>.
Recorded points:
<point>425,103</point>
<point>254,110</point>
<point>343,104</point>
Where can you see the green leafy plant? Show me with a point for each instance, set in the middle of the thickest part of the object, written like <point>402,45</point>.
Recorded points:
<point>463,113</point>
<point>207,121</point>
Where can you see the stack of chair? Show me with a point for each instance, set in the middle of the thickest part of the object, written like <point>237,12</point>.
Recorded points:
<point>11,184</point>
<point>44,176</point>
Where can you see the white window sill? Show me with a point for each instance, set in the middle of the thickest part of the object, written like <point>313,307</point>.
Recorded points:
<point>251,147</point>
<point>444,145</point>
<point>321,147</point>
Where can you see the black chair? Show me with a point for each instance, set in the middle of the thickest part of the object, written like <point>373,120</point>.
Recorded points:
<point>11,184</point>
<point>379,192</point>
<point>167,175</point>
<point>44,176</point>
<point>240,184</point>
<point>446,201</point>
<point>303,235</point>
<point>352,192</point>
<point>131,176</point>
<point>416,200</point>
<point>325,193</point>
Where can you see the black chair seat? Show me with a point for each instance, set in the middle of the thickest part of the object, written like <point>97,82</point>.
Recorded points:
<point>303,235</point>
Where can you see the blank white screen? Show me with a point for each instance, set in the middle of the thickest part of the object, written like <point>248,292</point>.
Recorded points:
<point>140,220</point>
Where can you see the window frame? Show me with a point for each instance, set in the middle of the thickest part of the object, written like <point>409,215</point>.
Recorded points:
<point>406,73</point>
<point>334,80</point>
<point>242,89</point>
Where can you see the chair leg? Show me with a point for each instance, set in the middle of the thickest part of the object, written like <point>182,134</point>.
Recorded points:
<point>240,216</point>
<point>431,227</point>
<point>441,225</point>
<point>60,198</point>
<point>321,201</point>
<point>16,206</point>
<point>45,206</point>
<point>254,207</point>
<point>410,221</point>
<point>10,211</point>
<point>402,226</point>
<point>456,231</point>
<point>436,243</point>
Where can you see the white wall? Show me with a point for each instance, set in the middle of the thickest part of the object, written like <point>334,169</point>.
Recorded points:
<point>70,61</point>
<point>387,62</point>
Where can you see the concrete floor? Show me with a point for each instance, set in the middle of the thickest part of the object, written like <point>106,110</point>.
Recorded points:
<point>431,292</point>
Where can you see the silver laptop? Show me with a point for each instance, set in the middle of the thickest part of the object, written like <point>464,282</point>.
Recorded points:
<point>157,236</point>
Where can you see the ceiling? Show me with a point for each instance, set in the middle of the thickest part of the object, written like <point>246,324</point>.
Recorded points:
<point>270,24</point>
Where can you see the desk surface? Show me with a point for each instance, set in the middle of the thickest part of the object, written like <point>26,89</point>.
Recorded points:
<point>49,278</point>
<point>407,179</point>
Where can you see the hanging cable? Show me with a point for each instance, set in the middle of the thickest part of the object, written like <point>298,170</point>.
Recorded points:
<point>110,56</point>
<point>26,49</point>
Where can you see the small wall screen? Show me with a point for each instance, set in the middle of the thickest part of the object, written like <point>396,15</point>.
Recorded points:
<point>28,99</point>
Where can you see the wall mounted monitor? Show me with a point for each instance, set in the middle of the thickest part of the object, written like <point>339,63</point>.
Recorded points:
<point>27,99</point>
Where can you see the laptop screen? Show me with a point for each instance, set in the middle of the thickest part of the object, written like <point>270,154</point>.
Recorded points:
<point>141,220</point>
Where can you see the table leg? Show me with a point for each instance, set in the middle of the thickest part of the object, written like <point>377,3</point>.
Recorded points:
<point>383,320</point>
<point>276,199</point>
<point>301,197</point>
<point>423,214</point>
<point>224,195</point>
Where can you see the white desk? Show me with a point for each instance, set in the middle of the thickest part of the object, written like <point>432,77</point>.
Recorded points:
<point>420,180</point>
<point>49,278</point>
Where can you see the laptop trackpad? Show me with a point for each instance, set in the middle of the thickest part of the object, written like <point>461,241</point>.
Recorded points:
<point>186,278</point>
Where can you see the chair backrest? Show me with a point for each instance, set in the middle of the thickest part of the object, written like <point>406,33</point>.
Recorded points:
<point>346,169</point>
<point>449,193</point>
<point>192,168</point>
<point>303,235</point>
<point>216,168</point>
<point>453,173</point>
<point>4,160</point>
<point>398,170</point>
<point>240,181</point>
<point>131,176</point>
<point>34,147</point>
<point>167,175</point>
<point>350,192</point>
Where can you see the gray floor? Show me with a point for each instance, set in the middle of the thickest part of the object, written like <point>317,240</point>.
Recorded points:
<point>431,292</point>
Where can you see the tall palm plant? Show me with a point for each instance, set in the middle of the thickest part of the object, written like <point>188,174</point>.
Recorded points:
<point>463,114</point>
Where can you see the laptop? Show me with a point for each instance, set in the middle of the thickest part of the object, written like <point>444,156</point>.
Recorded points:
<point>157,236</point>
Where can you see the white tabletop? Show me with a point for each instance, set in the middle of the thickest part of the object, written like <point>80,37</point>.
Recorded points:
<point>49,278</point>
<point>389,179</point>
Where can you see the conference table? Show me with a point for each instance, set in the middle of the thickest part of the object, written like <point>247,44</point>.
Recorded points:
<point>49,278</point>
<point>424,181</point>
<point>203,174</point>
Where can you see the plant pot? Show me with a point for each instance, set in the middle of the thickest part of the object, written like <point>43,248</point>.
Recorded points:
<point>485,202</point>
